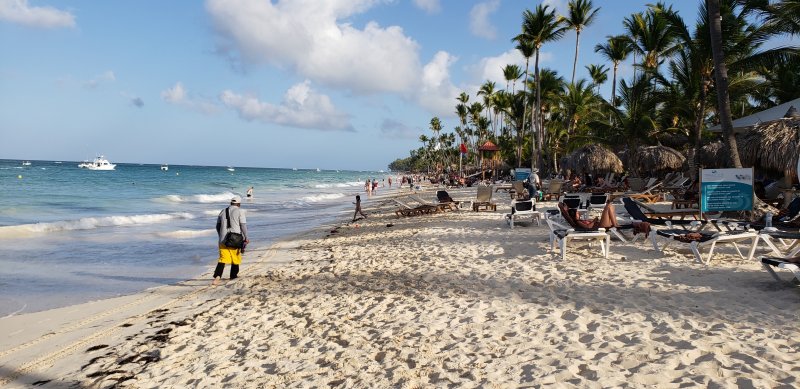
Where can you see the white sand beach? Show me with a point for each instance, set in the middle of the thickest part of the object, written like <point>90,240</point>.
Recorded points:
<point>457,299</point>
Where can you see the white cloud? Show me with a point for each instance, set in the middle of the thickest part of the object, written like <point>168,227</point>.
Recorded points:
<point>429,6</point>
<point>491,68</point>
<point>179,96</point>
<point>100,78</point>
<point>176,94</point>
<point>438,94</point>
<point>301,107</point>
<point>394,129</point>
<point>18,11</point>
<point>559,5</point>
<point>479,23</point>
<point>309,37</point>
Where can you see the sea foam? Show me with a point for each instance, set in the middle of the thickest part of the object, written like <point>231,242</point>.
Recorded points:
<point>88,223</point>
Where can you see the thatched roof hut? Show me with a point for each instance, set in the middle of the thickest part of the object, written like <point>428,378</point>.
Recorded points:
<point>658,159</point>
<point>594,159</point>
<point>714,155</point>
<point>773,145</point>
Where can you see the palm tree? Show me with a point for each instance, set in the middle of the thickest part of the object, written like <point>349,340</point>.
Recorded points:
<point>539,27</point>
<point>581,14</point>
<point>436,127</point>
<point>487,91</point>
<point>633,121</point>
<point>721,77</point>
<point>527,49</point>
<point>461,112</point>
<point>616,49</point>
<point>579,105</point>
<point>599,75</point>
<point>512,73</point>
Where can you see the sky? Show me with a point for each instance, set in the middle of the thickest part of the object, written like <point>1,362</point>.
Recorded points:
<point>330,84</point>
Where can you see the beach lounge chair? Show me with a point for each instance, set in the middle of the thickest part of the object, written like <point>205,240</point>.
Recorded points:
<point>523,208</point>
<point>444,198</point>
<point>439,206</point>
<point>518,191</point>
<point>669,215</point>
<point>647,194</point>
<point>770,263</point>
<point>696,240</point>
<point>483,199</point>
<point>780,240</point>
<point>563,235</point>
<point>554,189</point>
<point>408,210</point>
<point>566,212</point>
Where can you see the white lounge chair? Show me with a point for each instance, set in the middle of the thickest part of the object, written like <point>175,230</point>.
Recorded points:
<point>523,208</point>
<point>562,235</point>
<point>772,262</point>
<point>709,239</point>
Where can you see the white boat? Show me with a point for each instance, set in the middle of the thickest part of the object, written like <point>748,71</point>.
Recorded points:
<point>99,163</point>
<point>26,163</point>
<point>231,169</point>
<point>165,167</point>
<point>318,170</point>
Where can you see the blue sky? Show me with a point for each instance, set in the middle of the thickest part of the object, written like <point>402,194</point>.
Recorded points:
<point>332,84</point>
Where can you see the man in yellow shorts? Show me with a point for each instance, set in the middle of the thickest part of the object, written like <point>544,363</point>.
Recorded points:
<point>231,219</point>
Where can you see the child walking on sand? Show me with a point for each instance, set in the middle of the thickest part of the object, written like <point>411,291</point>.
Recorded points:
<point>358,208</point>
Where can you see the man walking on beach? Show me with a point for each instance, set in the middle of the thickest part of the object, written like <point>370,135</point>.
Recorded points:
<point>231,219</point>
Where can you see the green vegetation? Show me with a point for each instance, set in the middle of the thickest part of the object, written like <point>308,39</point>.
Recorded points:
<point>671,98</point>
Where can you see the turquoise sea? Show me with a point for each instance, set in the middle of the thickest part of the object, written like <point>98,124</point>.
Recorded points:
<point>70,235</point>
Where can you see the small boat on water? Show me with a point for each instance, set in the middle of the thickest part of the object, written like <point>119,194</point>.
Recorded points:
<point>231,169</point>
<point>99,163</point>
<point>26,163</point>
<point>165,167</point>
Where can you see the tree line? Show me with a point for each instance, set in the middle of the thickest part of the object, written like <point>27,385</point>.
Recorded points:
<point>685,78</point>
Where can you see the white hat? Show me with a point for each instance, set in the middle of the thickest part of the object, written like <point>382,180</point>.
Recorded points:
<point>236,200</point>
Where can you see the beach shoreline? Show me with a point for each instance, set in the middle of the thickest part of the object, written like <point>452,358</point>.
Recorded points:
<point>435,300</point>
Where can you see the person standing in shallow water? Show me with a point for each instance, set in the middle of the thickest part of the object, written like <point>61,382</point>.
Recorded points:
<point>230,255</point>
<point>358,208</point>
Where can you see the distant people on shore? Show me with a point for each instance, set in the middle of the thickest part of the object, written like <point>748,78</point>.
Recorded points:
<point>390,182</point>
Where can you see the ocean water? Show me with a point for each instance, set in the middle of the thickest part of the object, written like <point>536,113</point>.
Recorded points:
<point>71,235</point>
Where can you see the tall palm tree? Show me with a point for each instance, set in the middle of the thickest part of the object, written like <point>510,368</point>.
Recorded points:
<point>526,48</point>
<point>616,49</point>
<point>599,75</point>
<point>487,91</point>
<point>436,128</point>
<point>581,14</point>
<point>721,77</point>
<point>540,27</point>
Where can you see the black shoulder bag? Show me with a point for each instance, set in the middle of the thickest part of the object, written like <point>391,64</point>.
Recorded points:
<point>232,239</point>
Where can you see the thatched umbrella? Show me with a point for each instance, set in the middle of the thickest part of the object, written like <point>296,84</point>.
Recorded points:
<point>714,155</point>
<point>658,159</point>
<point>594,159</point>
<point>774,145</point>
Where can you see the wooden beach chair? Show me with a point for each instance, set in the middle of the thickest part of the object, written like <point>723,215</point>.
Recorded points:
<point>554,189</point>
<point>439,206</point>
<point>405,209</point>
<point>483,199</point>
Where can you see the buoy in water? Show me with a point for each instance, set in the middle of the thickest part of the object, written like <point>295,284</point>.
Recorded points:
<point>19,176</point>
